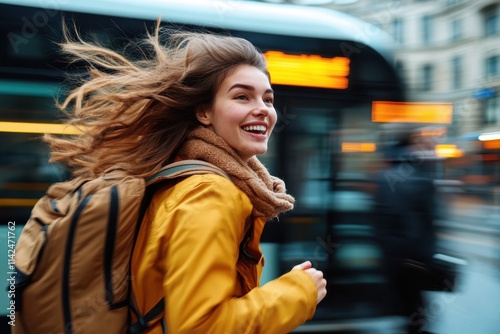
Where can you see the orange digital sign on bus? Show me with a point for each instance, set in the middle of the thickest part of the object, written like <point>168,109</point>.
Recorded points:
<point>412,112</point>
<point>308,70</point>
<point>358,147</point>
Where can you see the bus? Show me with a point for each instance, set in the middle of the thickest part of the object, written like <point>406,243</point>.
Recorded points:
<point>327,70</point>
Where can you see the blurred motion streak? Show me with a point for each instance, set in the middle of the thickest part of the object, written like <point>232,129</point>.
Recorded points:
<point>489,136</point>
<point>448,151</point>
<point>436,132</point>
<point>28,127</point>
<point>23,202</point>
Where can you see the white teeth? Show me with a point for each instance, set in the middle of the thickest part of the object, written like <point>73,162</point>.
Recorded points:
<point>260,128</point>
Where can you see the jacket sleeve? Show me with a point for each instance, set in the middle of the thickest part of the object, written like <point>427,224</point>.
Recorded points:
<point>199,258</point>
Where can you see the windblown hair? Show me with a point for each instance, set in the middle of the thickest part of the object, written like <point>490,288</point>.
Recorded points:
<point>136,113</point>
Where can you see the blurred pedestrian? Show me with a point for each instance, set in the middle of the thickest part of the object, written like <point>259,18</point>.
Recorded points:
<point>404,219</point>
<point>205,97</point>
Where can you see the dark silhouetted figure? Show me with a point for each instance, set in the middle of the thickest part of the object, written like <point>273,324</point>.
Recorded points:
<point>404,214</point>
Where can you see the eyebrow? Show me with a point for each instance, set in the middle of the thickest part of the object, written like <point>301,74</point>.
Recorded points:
<point>248,87</point>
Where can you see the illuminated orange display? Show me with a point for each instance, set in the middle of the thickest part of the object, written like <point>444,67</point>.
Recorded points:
<point>448,151</point>
<point>358,147</point>
<point>308,70</point>
<point>492,144</point>
<point>412,112</point>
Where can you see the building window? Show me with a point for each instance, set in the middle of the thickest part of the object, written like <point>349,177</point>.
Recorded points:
<point>397,30</point>
<point>492,66</point>
<point>456,70</point>
<point>398,65</point>
<point>400,69</point>
<point>427,74</point>
<point>492,110</point>
<point>426,29</point>
<point>456,30</point>
<point>491,22</point>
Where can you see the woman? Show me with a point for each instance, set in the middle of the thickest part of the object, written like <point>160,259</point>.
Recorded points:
<point>204,97</point>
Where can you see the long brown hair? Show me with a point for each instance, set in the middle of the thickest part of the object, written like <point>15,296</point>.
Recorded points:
<point>135,113</point>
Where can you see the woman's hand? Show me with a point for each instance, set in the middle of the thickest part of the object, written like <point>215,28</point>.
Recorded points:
<point>316,275</point>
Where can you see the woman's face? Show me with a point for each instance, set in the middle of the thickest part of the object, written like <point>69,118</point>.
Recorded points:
<point>242,113</point>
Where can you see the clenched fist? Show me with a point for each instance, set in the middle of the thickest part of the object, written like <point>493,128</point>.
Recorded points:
<point>316,275</point>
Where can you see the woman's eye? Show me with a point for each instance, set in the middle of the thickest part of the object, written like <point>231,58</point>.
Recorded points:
<point>269,100</point>
<point>241,97</point>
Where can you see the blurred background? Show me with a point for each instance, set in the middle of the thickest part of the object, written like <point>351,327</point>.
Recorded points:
<point>388,137</point>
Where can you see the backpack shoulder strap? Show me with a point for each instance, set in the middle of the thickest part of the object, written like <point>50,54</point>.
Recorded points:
<point>184,168</point>
<point>171,171</point>
<point>143,321</point>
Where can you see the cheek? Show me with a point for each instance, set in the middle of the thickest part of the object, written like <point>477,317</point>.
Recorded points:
<point>273,118</point>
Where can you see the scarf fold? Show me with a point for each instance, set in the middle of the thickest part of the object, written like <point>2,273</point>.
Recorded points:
<point>266,192</point>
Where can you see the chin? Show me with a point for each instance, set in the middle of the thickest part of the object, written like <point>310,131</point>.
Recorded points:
<point>254,152</point>
<point>260,153</point>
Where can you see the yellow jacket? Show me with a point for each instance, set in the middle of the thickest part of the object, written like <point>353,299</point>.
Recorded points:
<point>188,251</point>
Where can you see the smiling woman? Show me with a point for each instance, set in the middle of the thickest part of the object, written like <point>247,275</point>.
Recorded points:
<point>242,113</point>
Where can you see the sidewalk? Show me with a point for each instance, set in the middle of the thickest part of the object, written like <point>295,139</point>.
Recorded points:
<point>382,325</point>
<point>475,227</point>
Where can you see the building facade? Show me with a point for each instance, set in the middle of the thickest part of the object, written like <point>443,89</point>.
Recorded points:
<point>448,51</point>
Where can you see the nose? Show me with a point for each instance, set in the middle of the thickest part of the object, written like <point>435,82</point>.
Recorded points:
<point>261,109</point>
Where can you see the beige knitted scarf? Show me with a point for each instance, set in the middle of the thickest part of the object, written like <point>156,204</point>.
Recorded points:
<point>266,192</point>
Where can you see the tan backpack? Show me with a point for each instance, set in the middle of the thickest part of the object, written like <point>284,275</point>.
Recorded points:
<point>73,256</point>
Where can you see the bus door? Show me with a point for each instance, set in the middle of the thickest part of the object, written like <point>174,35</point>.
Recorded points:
<point>325,149</point>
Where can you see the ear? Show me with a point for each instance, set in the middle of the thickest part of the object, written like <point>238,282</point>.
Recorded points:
<point>203,115</point>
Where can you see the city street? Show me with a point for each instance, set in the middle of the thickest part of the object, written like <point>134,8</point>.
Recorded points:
<point>474,236</point>
<point>473,308</point>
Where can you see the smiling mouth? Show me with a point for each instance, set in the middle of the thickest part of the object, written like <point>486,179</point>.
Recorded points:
<point>258,129</point>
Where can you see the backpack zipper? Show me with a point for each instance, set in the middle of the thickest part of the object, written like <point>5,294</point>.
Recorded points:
<point>67,266</point>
